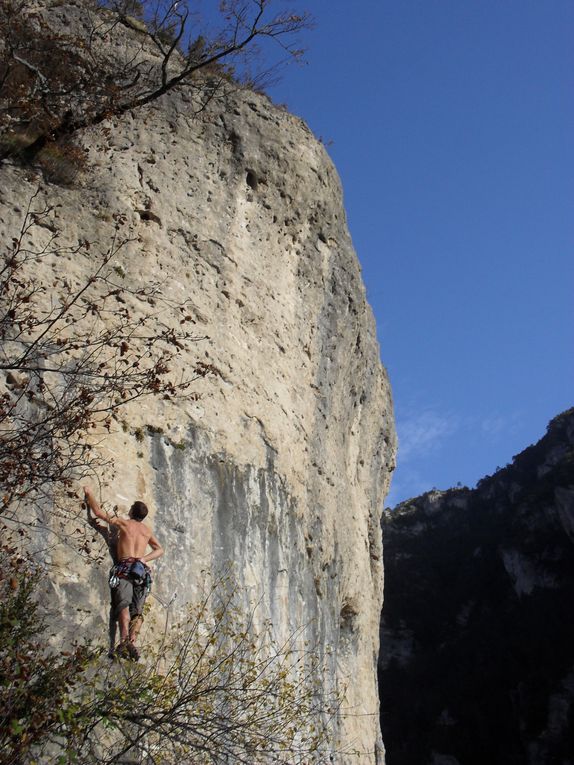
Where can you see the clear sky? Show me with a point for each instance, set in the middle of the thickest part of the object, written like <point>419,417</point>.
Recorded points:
<point>451,123</point>
<point>452,128</point>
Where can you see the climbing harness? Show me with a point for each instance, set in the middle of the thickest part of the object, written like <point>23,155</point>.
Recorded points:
<point>133,569</point>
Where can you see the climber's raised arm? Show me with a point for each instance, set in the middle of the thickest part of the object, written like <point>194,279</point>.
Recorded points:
<point>130,578</point>
<point>94,506</point>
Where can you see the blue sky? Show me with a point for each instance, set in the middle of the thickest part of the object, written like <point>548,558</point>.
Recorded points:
<point>452,125</point>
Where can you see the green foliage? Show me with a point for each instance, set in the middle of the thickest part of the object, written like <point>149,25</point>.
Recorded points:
<point>218,687</point>
<point>37,684</point>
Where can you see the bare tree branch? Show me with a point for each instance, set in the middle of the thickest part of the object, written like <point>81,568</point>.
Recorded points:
<point>122,62</point>
<point>74,357</point>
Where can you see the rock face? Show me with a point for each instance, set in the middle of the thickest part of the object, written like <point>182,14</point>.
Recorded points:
<point>281,465</point>
<point>476,659</point>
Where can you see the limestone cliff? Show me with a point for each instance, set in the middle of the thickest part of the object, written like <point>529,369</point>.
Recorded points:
<point>476,637</point>
<point>281,464</point>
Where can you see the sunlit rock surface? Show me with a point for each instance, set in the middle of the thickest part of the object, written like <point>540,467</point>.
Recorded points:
<point>280,467</point>
<point>476,661</point>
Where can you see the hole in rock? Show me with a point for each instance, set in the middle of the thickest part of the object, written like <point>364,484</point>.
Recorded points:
<point>251,179</point>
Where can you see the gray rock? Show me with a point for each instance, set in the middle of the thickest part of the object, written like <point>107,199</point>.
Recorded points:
<point>280,466</point>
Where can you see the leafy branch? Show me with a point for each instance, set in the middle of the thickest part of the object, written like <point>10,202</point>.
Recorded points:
<point>218,688</point>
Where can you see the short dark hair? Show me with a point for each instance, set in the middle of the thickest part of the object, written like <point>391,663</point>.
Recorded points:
<point>138,510</point>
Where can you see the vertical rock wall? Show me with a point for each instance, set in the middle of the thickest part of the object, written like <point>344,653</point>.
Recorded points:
<point>281,464</point>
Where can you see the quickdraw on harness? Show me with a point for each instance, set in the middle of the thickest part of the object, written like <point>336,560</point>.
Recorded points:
<point>133,569</point>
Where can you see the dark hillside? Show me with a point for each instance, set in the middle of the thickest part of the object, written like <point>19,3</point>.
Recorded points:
<point>477,631</point>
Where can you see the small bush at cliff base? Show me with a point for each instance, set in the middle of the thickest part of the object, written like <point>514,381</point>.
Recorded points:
<point>61,162</point>
<point>216,689</point>
<point>37,685</point>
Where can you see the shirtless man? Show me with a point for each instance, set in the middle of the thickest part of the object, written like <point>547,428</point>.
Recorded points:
<point>130,577</point>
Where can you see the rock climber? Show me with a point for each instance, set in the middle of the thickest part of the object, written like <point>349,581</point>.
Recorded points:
<point>130,577</point>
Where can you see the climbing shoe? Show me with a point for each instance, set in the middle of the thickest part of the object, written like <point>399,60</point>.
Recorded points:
<point>126,650</point>
<point>133,652</point>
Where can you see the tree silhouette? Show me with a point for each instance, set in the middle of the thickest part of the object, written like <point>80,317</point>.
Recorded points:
<point>59,75</point>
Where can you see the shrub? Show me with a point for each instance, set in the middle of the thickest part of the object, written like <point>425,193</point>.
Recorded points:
<point>216,687</point>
